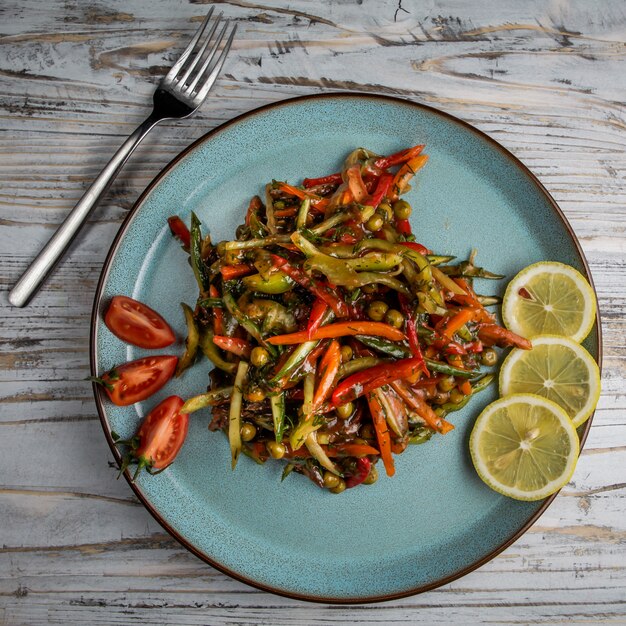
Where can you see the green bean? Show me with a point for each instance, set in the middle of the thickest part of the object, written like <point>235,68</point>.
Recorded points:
<point>450,370</point>
<point>396,350</point>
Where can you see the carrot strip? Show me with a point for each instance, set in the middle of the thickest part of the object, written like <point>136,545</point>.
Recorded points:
<point>422,408</point>
<point>465,387</point>
<point>340,329</point>
<point>329,366</point>
<point>399,157</point>
<point>230,272</point>
<point>457,321</point>
<point>382,431</point>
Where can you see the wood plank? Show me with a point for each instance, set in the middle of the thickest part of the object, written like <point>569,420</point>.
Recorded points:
<point>76,78</point>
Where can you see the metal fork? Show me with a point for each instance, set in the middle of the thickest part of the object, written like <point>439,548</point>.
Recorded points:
<point>179,94</point>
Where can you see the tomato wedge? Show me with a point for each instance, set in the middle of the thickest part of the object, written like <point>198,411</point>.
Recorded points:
<point>137,380</point>
<point>162,434</point>
<point>136,323</point>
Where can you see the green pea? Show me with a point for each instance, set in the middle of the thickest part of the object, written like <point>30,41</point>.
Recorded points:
<point>376,310</point>
<point>276,450</point>
<point>394,318</point>
<point>456,396</point>
<point>374,223</point>
<point>402,209</point>
<point>489,357</point>
<point>344,411</point>
<point>346,353</point>
<point>331,480</point>
<point>248,431</point>
<point>385,210</point>
<point>447,384</point>
<point>341,486</point>
<point>259,357</point>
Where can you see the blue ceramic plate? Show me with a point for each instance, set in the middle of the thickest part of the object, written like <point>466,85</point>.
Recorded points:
<point>435,520</point>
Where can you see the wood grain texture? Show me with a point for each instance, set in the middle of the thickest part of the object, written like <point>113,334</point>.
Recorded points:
<point>546,79</point>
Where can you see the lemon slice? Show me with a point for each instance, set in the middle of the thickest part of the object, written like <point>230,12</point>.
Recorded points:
<point>558,369</point>
<point>524,447</point>
<point>549,299</point>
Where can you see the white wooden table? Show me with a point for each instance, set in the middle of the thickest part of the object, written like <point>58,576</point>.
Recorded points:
<point>546,79</point>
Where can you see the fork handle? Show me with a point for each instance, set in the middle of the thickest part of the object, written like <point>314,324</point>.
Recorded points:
<point>52,252</point>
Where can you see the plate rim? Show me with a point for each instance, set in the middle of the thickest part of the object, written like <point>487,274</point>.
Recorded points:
<point>104,274</point>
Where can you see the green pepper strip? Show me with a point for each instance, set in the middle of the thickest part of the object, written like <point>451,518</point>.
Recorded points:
<point>294,361</point>
<point>192,341</point>
<point>356,365</point>
<point>211,352</point>
<point>257,243</point>
<point>211,398</point>
<point>450,370</point>
<point>362,215</point>
<point>246,322</point>
<point>303,213</point>
<point>234,416</point>
<point>277,283</point>
<point>477,387</point>
<point>439,259</point>
<point>278,414</point>
<point>197,263</point>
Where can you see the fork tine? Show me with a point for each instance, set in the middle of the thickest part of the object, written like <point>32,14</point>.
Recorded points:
<point>198,56</point>
<point>208,83</point>
<point>183,57</point>
<point>208,60</point>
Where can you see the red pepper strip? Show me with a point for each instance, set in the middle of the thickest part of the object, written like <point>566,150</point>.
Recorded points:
<point>381,190</point>
<point>316,316</point>
<point>218,314</point>
<point>492,334</point>
<point>457,321</point>
<point>418,247</point>
<point>254,206</point>
<point>350,449</point>
<point>331,179</point>
<point>427,382</point>
<point>363,466</point>
<point>411,331</point>
<point>469,299</point>
<point>422,408</point>
<point>229,272</point>
<point>341,329</point>
<point>399,157</point>
<point>328,368</point>
<point>180,230</point>
<point>240,347</point>
<point>366,380</point>
<point>403,227</point>
<point>355,183</point>
<point>382,431</point>
<point>339,307</point>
